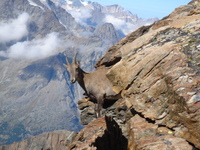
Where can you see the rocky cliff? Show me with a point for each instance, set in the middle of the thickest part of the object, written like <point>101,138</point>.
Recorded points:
<point>156,70</point>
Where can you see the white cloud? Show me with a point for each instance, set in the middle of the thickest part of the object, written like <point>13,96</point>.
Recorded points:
<point>14,29</point>
<point>81,15</point>
<point>35,49</point>
<point>120,24</point>
<point>85,3</point>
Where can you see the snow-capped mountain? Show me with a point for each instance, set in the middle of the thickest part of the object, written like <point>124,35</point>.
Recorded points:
<point>35,37</point>
<point>92,13</point>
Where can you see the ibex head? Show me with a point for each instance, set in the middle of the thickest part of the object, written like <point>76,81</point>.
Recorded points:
<point>74,69</point>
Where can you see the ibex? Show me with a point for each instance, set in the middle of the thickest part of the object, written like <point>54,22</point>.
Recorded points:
<point>95,84</point>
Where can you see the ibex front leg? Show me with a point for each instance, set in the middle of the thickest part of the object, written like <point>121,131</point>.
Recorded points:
<point>99,106</point>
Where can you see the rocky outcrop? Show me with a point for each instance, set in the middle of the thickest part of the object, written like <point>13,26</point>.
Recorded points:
<point>156,70</point>
<point>114,54</point>
<point>101,134</point>
<point>146,135</point>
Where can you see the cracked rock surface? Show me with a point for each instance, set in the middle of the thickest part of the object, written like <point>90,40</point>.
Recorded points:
<point>157,71</point>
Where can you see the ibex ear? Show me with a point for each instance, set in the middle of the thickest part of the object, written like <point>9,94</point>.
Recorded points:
<point>65,65</point>
<point>79,62</point>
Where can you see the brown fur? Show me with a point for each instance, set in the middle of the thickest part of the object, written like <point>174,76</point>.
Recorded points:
<point>95,84</point>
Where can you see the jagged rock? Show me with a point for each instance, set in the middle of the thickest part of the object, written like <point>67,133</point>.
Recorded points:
<point>114,53</point>
<point>84,103</point>
<point>57,140</point>
<point>158,74</point>
<point>148,136</point>
<point>88,113</point>
<point>100,134</point>
<point>116,109</point>
<point>156,70</point>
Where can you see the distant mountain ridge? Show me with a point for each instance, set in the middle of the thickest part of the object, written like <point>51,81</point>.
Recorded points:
<point>92,13</point>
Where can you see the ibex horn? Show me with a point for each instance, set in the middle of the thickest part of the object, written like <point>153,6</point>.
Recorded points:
<point>67,61</point>
<point>74,59</point>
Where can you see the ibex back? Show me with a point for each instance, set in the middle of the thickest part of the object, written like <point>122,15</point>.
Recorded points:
<point>95,84</point>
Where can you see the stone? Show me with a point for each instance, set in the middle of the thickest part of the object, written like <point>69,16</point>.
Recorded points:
<point>84,103</point>
<point>148,136</point>
<point>101,134</point>
<point>194,99</point>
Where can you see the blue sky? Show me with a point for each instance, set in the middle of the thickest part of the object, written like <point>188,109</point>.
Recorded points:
<point>147,8</point>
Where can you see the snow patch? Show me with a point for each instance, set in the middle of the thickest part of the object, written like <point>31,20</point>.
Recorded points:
<point>45,3</point>
<point>34,4</point>
<point>69,2</point>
